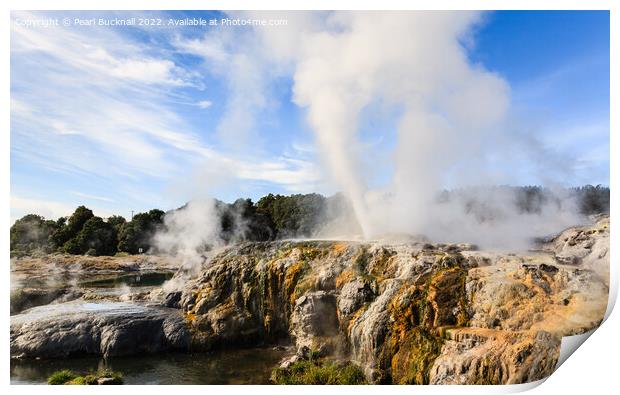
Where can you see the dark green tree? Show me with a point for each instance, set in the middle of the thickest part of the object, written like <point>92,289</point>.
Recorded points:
<point>116,221</point>
<point>294,215</point>
<point>593,199</point>
<point>241,221</point>
<point>31,233</point>
<point>61,235</point>
<point>138,233</point>
<point>72,246</point>
<point>97,237</point>
<point>70,230</point>
<point>78,219</point>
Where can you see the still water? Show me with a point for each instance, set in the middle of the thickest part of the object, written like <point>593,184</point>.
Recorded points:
<point>250,366</point>
<point>149,279</point>
<point>89,280</point>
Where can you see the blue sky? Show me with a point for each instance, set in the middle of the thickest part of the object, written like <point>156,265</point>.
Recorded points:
<point>131,118</point>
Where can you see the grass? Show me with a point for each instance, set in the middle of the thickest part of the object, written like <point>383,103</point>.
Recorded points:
<point>315,372</point>
<point>68,377</point>
<point>83,380</point>
<point>60,377</point>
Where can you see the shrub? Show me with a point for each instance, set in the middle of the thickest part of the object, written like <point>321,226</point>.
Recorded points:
<point>316,372</point>
<point>61,377</point>
<point>18,253</point>
<point>69,378</point>
<point>80,380</point>
<point>352,374</point>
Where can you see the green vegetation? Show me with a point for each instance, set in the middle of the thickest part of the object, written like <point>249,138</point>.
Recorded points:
<point>272,217</point>
<point>137,233</point>
<point>533,199</point>
<point>65,237</point>
<point>97,237</point>
<point>60,377</point>
<point>242,220</point>
<point>84,233</point>
<point>295,215</point>
<point>416,354</point>
<point>67,377</point>
<point>31,233</point>
<point>593,200</point>
<point>83,380</point>
<point>319,372</point>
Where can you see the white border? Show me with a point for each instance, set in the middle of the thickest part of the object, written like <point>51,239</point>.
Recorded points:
<point>594,368</point>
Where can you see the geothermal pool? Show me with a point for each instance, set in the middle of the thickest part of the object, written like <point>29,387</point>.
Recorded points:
<point>250,366</point>
<point>246,366</point>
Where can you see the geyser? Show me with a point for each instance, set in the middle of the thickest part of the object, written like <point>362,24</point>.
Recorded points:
<point>452,116</point>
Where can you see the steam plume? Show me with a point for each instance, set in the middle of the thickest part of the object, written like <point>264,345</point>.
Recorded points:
<point>452,114</point>
<point>414,62</point>
<point>190,232</point>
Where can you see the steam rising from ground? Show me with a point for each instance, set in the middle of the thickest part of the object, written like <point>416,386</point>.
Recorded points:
<point>494,218</point>
<point>451,115</point>
<point>190,233</point>
<point>415,63</point>
<point>410,60</point>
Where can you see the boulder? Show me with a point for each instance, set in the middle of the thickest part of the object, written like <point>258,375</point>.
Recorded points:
<point>107,329</point>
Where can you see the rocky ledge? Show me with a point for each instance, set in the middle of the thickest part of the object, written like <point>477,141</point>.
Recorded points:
<point>107,329</point>
<point>412,313</point>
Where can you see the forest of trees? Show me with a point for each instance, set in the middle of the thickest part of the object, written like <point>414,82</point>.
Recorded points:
<point>272,217</point>
<point>84,233</point>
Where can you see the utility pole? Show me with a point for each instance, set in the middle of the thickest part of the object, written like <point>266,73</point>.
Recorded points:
<point>131,215</point>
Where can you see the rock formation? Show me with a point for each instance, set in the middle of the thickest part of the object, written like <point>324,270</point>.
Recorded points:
<point>411,313</point>
<point>107,329</point>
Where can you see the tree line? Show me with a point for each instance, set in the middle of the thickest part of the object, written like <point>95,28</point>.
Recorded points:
<point>84,233</point>
<point>272,217</point>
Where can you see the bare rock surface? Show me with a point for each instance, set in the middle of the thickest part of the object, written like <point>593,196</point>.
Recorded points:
<point>107,329</point>
<point>510,357</point>
<point>586,247</point>
<point>410,312</point>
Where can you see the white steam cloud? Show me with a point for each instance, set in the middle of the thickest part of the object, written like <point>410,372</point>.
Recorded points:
<point>416,63</point>
<point>413,60</point>
<point>452,114</point>
<point>190,233</point>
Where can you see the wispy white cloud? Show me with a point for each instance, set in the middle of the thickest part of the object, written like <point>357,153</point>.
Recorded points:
<point>94,92</point>
<point>99,52</point>
<point>50,209</point>
<point>92,197</point>
<point>204,104</point>
<point>96,102</point>
<point>247,77</point>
